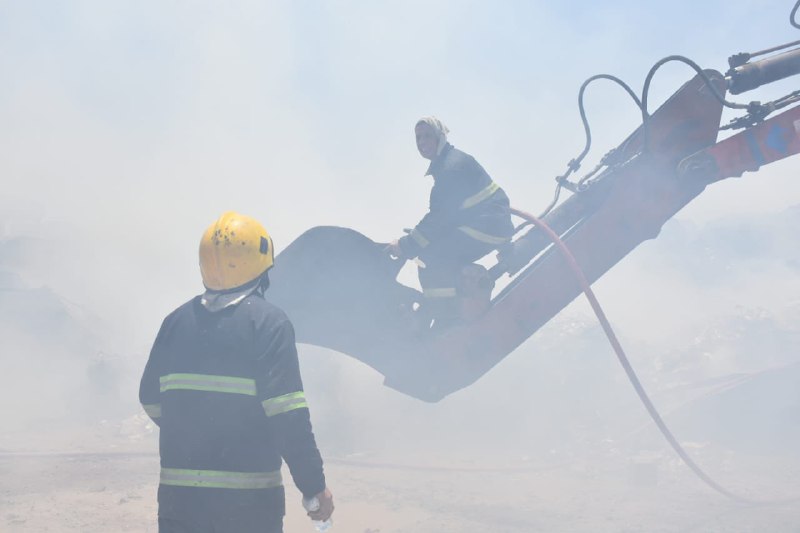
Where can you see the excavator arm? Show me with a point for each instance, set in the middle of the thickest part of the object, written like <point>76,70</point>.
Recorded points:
<point>770,141</point>
<point>340,288</point>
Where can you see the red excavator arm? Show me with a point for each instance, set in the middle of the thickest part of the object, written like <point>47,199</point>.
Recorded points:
<point>340,290</point>
<point>774,139</point>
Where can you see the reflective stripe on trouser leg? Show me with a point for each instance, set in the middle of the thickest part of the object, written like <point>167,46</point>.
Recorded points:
<point>441,303</point>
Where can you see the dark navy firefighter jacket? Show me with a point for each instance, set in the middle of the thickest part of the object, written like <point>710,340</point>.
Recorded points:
<point>226,392</point>
<point>464,199</point>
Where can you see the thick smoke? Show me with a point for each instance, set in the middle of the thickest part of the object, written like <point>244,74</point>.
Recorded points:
<point>127,128</point>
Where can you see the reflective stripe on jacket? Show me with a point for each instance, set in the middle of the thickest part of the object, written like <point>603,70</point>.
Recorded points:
<point>217,479</point>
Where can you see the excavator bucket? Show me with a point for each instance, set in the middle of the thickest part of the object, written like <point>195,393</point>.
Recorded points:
<point>339,289</point>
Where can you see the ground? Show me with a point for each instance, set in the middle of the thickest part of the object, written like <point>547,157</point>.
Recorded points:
<point>108,483</point>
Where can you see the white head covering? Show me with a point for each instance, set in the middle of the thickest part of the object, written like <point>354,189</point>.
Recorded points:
<point>440,129</point>
<point>217,301</point>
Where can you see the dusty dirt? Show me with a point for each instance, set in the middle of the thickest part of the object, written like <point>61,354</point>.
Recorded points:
<point>108,483</point>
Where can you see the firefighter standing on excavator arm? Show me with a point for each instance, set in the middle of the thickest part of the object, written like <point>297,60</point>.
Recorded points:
<point>468,218</point>
<point>223,384</point>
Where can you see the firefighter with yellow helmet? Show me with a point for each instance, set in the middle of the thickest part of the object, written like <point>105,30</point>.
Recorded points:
<point>223,384</point>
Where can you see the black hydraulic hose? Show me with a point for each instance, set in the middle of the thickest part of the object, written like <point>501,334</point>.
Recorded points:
<point>646,91</point>
<point>575,163</point>
<point>700,72</point>
<point>582,109</point>
<point>626,365</point>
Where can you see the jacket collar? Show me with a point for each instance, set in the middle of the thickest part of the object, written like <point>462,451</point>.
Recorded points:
<point>436,162</point>
<point>215,301</point>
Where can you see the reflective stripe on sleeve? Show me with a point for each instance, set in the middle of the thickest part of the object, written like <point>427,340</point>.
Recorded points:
<point>218,479</point>
<point>419,238</point>
<point>483,237</point>
<point>484,194</point>
<point>153,410</point>
<point>285,403</point>
<point>208,383</point>
<point>448,292</point>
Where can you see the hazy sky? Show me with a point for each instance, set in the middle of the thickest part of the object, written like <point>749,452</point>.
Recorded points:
<point>127,127</point>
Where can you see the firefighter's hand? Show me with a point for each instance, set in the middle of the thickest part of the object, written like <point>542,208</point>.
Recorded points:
<point>394,250</point>
<point>325,506</point>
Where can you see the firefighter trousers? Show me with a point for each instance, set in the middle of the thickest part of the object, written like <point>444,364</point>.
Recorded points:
<point>203,510</point>
<point>440,278</point>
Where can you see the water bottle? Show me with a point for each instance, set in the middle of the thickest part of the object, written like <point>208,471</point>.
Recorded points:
<point>311,505</point>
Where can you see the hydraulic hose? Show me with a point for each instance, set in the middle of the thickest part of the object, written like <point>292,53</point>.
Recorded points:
<point>587,131</point>
<point>646,91</point>
<point>575,164</point>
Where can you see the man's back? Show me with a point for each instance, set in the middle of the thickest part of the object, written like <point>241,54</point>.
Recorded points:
<point>223,384</point>
<point>210,368</point>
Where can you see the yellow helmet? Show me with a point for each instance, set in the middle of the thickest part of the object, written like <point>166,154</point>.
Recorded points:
<point>234,250</point>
